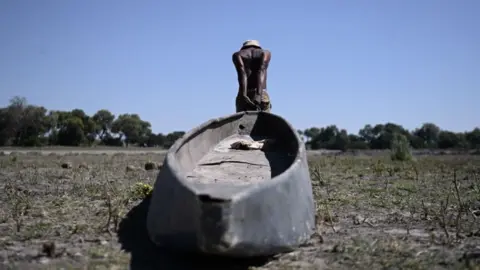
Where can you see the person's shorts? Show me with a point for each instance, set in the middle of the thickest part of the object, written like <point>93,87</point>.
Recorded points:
<point>265,104</point>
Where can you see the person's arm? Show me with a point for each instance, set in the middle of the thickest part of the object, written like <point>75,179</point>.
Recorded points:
<point>242,76</point>
<point>265,61</point>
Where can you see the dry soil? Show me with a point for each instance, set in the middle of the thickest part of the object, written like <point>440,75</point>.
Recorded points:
<point>87,211</point>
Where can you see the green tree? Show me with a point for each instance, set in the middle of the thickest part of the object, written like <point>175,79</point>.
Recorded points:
<point>23,124</point>
<point>5,133</point>
<point>473,138</point>
<point>416,142</point>
<point>309,134</point>
<point>383,135</point>
<point>367,134</point>
<point>33,127</point>
<point>172,137</point>
<point>88,124</point>
<point>331,138</point>
<point>103,120</point>
<point>131,128</point>
<point>71,133</point>
<point>356,142</point>
<point>12,119</point>
<point>71,128</point>
<point>448,139</point>
<point>156,140</point>
<point>428,135</point>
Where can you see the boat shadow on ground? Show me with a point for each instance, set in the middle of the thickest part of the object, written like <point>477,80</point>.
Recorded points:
<point>133,237</point>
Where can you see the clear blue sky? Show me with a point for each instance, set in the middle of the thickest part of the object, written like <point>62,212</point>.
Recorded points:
<point>333,62</point>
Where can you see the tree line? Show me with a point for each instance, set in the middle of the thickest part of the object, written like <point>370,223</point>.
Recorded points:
<point>23,124</point>
<point>380,136</point>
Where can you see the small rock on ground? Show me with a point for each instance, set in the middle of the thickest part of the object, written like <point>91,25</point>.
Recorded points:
<point>66,165</point>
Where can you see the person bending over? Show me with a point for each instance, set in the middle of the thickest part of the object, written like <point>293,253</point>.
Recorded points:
<point>251,63</point>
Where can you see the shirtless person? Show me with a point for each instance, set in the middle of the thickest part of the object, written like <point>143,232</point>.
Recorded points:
<point>251,63</point>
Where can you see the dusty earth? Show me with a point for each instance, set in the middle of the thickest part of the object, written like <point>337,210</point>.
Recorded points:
<point>84,211</point>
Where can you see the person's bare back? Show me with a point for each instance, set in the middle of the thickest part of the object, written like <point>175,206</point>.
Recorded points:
<point>251,63</point>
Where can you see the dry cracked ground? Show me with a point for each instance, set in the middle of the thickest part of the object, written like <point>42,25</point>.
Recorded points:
<point>85,211</point>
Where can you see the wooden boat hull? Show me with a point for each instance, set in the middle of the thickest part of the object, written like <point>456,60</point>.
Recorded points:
<point>242,220</point>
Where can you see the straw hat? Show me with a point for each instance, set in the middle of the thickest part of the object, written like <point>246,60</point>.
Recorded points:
<point>251,42</point>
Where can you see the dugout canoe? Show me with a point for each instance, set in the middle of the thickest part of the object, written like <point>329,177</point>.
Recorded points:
<point>255,201</point>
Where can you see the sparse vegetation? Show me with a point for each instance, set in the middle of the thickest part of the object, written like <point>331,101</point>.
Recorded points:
<point>372,213</point>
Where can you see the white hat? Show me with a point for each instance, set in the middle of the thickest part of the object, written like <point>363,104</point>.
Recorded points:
<point>251,42</point>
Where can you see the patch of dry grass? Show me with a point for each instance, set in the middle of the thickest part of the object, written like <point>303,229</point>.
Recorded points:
<point>372,213</point>
<point>75,208</point>
<point>376,213</point>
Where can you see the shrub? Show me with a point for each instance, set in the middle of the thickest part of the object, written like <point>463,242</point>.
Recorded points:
<point>400,148</point>
<point>141,191</point>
